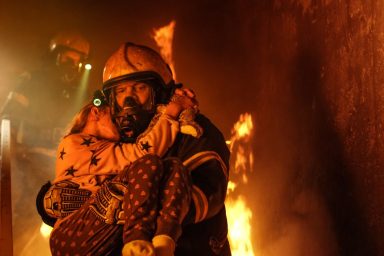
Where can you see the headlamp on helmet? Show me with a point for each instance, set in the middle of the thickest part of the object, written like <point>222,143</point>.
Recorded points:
<point>99,98</point>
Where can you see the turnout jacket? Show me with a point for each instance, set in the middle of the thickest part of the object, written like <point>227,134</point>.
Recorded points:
<point>89,161</point>
<point>207,159</point>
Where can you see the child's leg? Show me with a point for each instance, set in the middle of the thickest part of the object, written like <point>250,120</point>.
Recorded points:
<point>140,203</point>
<point>175,198</point>
<point>159,202</point>
<point>157,199</point>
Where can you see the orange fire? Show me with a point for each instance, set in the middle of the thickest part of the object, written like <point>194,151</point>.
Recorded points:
<point>239,218</point>
<point>242,130</point>
<point>238,213</point>
<point>241,148</point>
<point>164,39</point>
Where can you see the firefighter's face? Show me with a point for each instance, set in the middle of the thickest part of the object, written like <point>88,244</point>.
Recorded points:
<point>68,63</point>
<point>70,58</point>
<point>139,91</point>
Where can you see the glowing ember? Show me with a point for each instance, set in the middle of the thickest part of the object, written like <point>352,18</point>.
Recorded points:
<point>238,213</point>
<point>45,230</point>
<point>239,218</point>
<point>164,39</point>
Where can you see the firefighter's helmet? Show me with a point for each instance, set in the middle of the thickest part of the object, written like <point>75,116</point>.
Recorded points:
<point>70,40</point>
<point>132,62</point>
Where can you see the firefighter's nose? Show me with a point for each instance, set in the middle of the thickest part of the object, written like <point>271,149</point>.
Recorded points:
<point>130,102</point>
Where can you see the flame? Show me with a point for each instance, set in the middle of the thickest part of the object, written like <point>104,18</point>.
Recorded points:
<point>238,213</point>
<point>239,218</point>
<point>163,37</point>
<point>243,128</point>
<point>231,187</point>
<point>242,132</point>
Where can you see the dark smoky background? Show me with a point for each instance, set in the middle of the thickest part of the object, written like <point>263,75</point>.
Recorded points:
<point>309,72</point>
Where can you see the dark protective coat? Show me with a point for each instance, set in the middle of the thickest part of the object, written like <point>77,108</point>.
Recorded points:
<point>207,158</point>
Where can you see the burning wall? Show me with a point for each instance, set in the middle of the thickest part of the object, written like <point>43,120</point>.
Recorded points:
<point>319,151</point>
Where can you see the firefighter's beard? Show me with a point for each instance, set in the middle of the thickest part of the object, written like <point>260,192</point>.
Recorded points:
<point>132,120</point>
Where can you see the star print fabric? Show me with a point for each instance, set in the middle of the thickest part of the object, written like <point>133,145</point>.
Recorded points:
<point>156,202</point>
<point>88,160</point>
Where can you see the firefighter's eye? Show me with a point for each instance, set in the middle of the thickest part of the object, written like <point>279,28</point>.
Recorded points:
<point>140,87</point>
<point>119,90</point>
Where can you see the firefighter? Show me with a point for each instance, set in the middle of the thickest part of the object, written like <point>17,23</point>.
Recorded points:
<point>201,148</point>
<point>126,193</point>
<point>40,107</point>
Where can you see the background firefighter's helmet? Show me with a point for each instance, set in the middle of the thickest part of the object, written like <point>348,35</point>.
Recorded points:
<point>70,50</point>
<point>132,62</point>
<point>70,40</point>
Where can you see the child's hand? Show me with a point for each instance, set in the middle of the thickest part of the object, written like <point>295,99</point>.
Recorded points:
<point>181,100</point>
<point>185,97</point>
